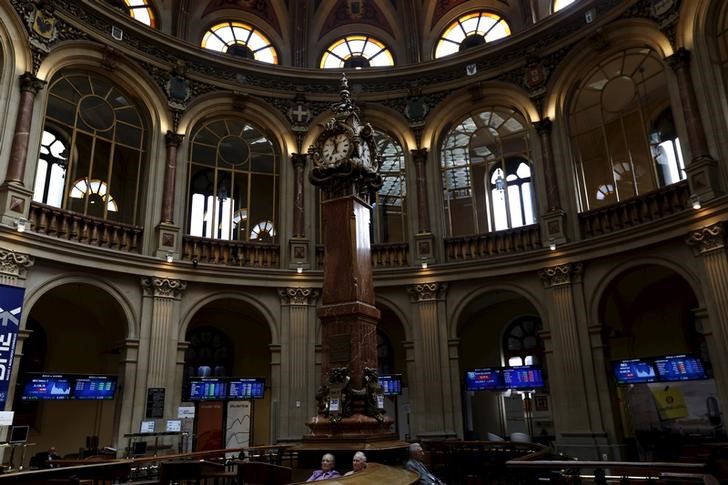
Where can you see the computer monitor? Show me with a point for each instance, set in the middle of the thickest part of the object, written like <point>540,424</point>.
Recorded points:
<point>19,434</point>
<point>246,388</point>
<point>634,371</point>
<point>391,385</point>
<point>147,426</point>
<point>488,379</point>
<point>174,426</point>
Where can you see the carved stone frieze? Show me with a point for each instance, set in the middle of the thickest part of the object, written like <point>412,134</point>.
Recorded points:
<point>15,264</point>
<point>563,274</point>
<point>164,287</point>
<point>298,296</point>
<point>427,292</point>
<point>707,239</point>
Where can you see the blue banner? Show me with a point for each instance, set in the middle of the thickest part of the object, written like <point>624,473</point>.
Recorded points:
<point>11,303</point>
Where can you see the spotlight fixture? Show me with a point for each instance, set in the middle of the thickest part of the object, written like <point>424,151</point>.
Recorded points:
<point>695,201</point>
<point>170,257</point>
<point>552,244</point>
<point>299,268</point>
<point>21,224</point>
<point>424,263</point>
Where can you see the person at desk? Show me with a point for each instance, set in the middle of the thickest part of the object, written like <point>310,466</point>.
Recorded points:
<point>358,464</point>
<point>44,459</point>
<point>415,464</point>
<point>327,469</point>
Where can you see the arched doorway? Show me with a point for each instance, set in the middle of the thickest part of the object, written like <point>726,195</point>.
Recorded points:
<point>392,362</point>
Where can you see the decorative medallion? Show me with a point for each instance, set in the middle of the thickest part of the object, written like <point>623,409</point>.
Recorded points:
<point>42,26</point>
<point>535,76</point>
<point>299,114</point>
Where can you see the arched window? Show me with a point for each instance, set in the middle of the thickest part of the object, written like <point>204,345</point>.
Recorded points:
<point>471,30</point>
<point>390,214</point>
<point>92,155</point>
<point>356,52</point>
<point>666,151</point>
<point>241,40</point>
<point>486,173</point>
<point>233,182</point>
<point>522,344</point>
<point>559,4</point>
<point>613,117</point>
<point>142,11</point>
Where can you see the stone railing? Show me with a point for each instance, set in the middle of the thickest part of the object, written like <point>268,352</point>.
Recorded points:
<point>62,224</point>
<point>477,246</point>
<point>386,255</point>
<point>646,208</point>
<point>233,253</point>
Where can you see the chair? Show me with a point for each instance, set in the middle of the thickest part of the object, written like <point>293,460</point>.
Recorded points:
<point>261,473</point>
<point>520,437</point>
<point>494,437</point>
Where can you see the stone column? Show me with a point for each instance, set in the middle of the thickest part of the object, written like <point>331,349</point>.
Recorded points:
<point>553,226</point>
<point>172,141</point>
<point>298,374</point>
<point>162,295</point>
<point>702,171</point>
<point>433,396</point>
<point>424,250</point>
<point>127,423</point>
<point>709,246</point>
<point>299,164</point>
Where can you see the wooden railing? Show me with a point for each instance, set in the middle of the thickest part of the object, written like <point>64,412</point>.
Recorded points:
<point>233,253</point>
<point>649,207</point>
<point>384,255</point>
<point>477,246</point>
<point>62,224</point>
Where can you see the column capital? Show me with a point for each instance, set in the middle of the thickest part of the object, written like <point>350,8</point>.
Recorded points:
<point>299,160</point>
<point>680,59</point>
<point>544,126</point>
<point>427,292</point>
<point>30,83</point>
<point>707,239</point>
<point>15,264</point>
<point>164,287</point>
<point>172,139</point>
<point>563,274</point>
<point>298,296</point>
<point>419,155</point>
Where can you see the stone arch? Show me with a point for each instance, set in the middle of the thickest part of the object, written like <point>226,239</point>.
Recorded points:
<point>388,303</point>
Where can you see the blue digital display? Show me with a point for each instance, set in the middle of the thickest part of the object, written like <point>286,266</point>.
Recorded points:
<point>634,371</point>
<point>208,389</point>
<point>484,380</point>
<point>680,368</point>
<point>94,387</point>
<point>47,388</point>
<point>523,377</point>
<point>247,388</point>
<point>391,385</point>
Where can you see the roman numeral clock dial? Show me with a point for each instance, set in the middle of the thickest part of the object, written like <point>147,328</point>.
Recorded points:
<point>335,148</point>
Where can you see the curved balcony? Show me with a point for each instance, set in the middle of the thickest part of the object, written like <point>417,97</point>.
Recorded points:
<point>478,246</point>
<point>232,253</point>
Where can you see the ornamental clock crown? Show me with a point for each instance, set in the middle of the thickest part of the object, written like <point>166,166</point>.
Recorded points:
<point>344,155</point>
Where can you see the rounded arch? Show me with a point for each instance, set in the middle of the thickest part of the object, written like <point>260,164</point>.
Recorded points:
<point>396,125</point>
<point>257,23</point>
<point>262,310</point>
<point>35,293</point>
<point>584,56</point>
<point>390,43</point>
<point>16,51</point>
<point>694,20</point>
<point>455,322</point>
<point>612,274</point>
<point>390,305</point>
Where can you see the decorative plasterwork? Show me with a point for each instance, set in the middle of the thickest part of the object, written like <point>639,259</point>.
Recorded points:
<point>707,239</point>
<point>15,264</point>
<point>427,292</point>
<point>298,296</point>
<point>164,287</point>
<point>563,274</point>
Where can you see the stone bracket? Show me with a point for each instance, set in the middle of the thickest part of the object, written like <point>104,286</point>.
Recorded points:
<point>424,248</point>
<point>703,179</point>
<point>298,248</point>
<point>553,227</point>
<point>14,203</point>
<point>168,239</point>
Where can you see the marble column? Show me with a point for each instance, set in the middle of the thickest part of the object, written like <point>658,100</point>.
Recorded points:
<point>709,246</point>
<point>702,169</point>
<point>159,349</point>
<point>424,243</point>
<point>172,141</point>
<point>29,87</point>
<point>298,371</point>
<point>434,398</point>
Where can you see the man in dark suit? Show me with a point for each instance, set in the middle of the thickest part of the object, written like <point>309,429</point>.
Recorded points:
<point>415,464</point>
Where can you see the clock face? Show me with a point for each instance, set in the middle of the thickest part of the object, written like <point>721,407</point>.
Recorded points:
<point>335,148</point>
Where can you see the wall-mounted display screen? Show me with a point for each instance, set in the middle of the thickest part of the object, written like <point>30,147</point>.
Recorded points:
<point>391,385</point>
<point>173,426</point>
<point>94,387</point>
<point>634,371</point>
<point>484,379</point>
<point>246,388</point>
<point>47,387</point>
<point>523,377</point>
<point>147,426</point>
<point>208,389</point>
<point>680,368</point>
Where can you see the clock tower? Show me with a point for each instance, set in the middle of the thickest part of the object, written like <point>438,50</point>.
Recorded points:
<point>345,167</point>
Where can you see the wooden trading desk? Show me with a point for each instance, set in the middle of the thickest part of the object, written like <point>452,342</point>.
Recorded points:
<point>12,447</point>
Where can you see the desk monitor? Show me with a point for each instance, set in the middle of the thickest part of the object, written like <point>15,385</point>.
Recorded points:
<point>246,388</point>
<point>484,379</point>
<point>391,385</point>
<point>18,434</point>
<point>147,426</point>
<point>47,387</point>
<point>634,371</point>
<point>94,388</point>
<point>680,368</point>
<point>174,426</point>
<point>208,389</point>
<point>523,377</point>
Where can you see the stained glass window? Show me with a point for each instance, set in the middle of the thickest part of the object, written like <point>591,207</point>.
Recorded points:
<point>241,40</point>
<point>471,30</point>
<point>356,52</point>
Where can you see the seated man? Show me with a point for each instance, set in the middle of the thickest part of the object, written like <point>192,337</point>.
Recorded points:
<point>415,464</point>
<point>327,469</point>
<point>358,464</point>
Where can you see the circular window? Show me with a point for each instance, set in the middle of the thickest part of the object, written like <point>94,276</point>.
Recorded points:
<point>234,150</point>
<point>97,113</point>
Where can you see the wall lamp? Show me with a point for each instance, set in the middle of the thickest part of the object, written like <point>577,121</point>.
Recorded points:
<point>21,223</point>
<point>552,244</point>
<point>695,201</point>
<point>170,257</point>
<point>299,268</point>
<point>423,264</point>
